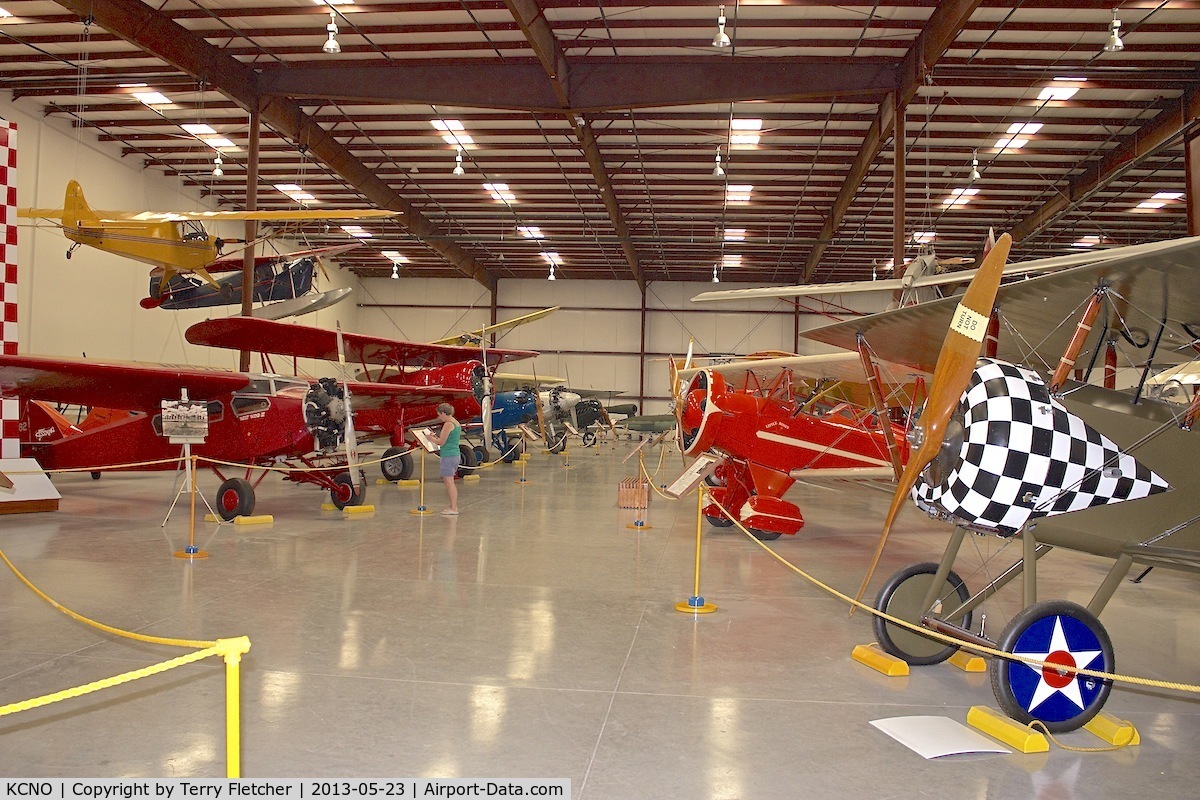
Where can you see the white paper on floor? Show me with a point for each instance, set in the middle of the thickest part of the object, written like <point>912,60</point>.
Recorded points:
<point>933,737</point>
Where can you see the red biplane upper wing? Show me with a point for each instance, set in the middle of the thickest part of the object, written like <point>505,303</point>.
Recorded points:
<point>132,387</point>
<point>268,336</point>
<point>1144,287</point>
<point>382,395</point>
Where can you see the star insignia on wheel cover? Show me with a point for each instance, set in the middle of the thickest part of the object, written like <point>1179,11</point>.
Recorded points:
<point>1058,650</point>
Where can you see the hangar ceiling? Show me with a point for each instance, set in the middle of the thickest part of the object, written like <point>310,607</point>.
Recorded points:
<point>589,130</point>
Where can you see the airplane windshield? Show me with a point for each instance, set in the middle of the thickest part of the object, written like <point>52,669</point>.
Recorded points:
<point>193,230</point>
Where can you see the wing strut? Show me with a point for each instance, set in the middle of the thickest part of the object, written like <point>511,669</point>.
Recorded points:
<point>885,422</point>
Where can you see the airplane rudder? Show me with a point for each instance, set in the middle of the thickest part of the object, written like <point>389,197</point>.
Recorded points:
<point>75,206</point>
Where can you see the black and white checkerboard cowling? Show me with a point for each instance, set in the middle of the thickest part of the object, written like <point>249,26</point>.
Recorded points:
<point>1025,456</point>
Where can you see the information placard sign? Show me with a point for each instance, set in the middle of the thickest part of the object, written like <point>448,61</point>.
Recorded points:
<point>184,421</point>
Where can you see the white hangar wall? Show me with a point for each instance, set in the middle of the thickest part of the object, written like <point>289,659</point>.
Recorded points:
<point>89,304</point>
<point>594,341</point>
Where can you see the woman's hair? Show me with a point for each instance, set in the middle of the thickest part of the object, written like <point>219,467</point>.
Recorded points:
<point>445,408</point>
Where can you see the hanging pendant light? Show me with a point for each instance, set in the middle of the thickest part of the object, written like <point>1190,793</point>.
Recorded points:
<point>458,167</point>
<point>722,38</point>
<point>331,44</point>
<point>718,170</point>
<point>1114,43</point>
<point>975,173</point>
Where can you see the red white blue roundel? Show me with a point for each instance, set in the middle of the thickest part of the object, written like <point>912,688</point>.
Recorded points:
<point>1047,693</point>
<point>1024,456</point>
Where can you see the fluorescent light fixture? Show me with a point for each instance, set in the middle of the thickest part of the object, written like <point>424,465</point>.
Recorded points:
<point>731,260</point>
<point>4,13</point>
<point>334,2</point>
<point>924,237</point>
<point>295,192</point>
<point>452,132</point>
<point>500,191</point>
<point>218,142</point>
<point>554,259</point>
<point>738,193</point>
<point>153,98</point>
<point>530,232</point>
<point>735,234</point>
<point>1158,200</point>
<point>1086,241</point>
<point>746,132</point>
<point>394,256</point>
<point>1016,133</point>
<point>357,231</point>
<point>960,197</point>
<point>198,129</point>
<point>1057,93</point>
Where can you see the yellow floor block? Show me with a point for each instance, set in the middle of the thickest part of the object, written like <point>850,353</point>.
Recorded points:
<point>968,662</point>
<point>257,519</point>
<point>1007,731</point>
<point>1113,730</point>
<point>879,661</point>
<point>352,510</point>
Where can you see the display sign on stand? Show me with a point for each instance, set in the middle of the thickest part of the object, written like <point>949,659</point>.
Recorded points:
<point>692,476</point>
<point>184,421</point>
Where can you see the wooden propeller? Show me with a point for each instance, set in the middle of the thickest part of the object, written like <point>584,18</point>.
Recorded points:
<point>956,362</point>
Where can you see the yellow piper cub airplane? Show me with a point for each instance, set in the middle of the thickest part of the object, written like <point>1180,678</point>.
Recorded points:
<point>173,241</point>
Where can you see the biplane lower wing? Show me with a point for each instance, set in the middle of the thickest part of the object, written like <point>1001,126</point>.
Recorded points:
<point>269,336</point>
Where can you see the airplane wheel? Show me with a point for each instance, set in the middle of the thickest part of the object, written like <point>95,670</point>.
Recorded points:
<point>720,522</point>
<point>468,459</point>
<point>95,476</point>
<point>235,498</point>
<point>589,438</point>
<point>343,493</point>
<point>559,446</point>
<point>397,464</point>
<point>713,480</point>
<point>482,456</point>
<point>1059,632</point>
<point>765,536</point>
<point>901,597</point>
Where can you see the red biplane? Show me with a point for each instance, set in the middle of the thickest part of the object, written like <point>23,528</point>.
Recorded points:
<point>255,420</point>
<point>770,420</point>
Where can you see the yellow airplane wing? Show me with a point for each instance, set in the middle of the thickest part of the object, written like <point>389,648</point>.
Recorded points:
<point>473,337</point>
<point>177,216</point>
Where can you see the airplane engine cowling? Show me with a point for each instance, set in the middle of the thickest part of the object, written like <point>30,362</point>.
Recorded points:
<point>1014,453</point>
<point>701,417</point>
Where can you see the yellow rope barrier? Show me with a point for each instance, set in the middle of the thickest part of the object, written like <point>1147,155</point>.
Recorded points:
<point>231,650</point>
<point>105,683</point>
<point>977,648</point>
<point>100,625</point>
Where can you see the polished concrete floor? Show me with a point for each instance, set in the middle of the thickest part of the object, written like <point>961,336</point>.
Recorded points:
<point>534,636</point>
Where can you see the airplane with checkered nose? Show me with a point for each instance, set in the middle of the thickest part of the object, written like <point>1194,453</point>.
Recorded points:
<point>1008,447</point>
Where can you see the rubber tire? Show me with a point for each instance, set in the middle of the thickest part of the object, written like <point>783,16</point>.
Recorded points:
<point>397,464</point>
<point>719,522</point>
<point>589,438</point>
<point>482,456</point>
<point>235,498</point>
<point>468,460</point>
<point>559,444</point>
<point>765,536</point>
<point>95,476</point>
<point>1003,671</point>
<point>900,597</point>
<point>343,479</point>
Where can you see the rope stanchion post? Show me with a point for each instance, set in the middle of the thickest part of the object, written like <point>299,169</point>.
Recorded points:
<point>232,650</point>
<point>191,551</point>
<point>522,481</point>
<point>696,603</point>
<point>421,510</point>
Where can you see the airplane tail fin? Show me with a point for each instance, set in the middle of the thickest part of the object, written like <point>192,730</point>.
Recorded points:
<point>75,207</point>
<point>44,424</point>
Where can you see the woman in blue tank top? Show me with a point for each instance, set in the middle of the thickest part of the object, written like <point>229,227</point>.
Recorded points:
<point>448,439</point>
